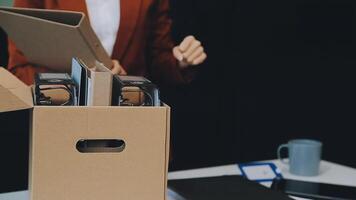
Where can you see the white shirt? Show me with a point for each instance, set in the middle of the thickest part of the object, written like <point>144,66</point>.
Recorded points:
<point>104,16</point>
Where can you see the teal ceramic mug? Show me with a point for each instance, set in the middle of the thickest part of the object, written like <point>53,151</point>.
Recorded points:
<point>304,156</point>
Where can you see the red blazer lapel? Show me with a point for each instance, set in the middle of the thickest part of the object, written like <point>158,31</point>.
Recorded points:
<point>74,5</point>
<point>130,11</point>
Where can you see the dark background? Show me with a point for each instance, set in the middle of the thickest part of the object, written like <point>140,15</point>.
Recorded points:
<point>3,48</point>
<point>276,70</point>
<point>205,114</point>
<point>14,145</point>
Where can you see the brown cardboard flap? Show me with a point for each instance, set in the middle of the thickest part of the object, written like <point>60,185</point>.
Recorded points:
<point>14,95</point>
<point>9,81</point>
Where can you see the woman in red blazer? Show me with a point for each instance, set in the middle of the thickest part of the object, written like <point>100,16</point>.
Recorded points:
<point>143,44</point>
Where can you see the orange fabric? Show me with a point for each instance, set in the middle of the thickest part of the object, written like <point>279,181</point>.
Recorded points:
<point>143,46</point>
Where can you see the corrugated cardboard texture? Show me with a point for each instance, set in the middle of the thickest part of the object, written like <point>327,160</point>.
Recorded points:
<point>60,172</point>
<point>14,95</point>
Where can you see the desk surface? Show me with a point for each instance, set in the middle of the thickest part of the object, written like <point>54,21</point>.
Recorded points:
<point>329,173</point>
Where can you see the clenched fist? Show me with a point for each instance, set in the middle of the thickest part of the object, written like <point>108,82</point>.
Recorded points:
<point>189,52</point>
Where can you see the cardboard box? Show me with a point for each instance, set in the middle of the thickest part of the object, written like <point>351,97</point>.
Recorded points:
<point>59,171</point>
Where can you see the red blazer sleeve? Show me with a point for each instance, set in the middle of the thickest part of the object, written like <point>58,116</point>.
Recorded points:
<point>164,68</point>
<point>20,67</point>
<point>18,64</point>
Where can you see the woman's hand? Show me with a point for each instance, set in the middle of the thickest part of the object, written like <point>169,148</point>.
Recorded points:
<point>117,68</point>
<point>189,52</point>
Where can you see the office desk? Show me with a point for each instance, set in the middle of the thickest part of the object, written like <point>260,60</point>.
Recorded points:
<point>330,173</point>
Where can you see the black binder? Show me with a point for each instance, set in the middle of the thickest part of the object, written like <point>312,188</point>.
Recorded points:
<point>222,188</point>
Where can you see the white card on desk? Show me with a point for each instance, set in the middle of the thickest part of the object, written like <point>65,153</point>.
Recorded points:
<point>260,172</point>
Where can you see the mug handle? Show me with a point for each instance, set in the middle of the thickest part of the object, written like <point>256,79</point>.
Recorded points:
<point>280,148</point>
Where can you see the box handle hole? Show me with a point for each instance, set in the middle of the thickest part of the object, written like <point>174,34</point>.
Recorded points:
<point>100,146</point>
